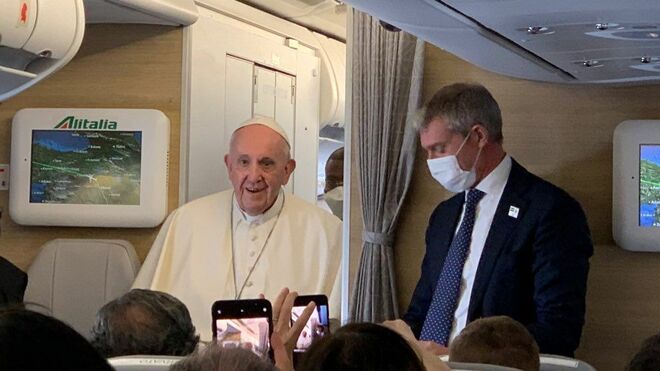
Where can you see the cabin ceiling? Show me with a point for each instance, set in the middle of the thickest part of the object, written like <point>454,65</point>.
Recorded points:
<point>587,41</point>
<point>325,16</point>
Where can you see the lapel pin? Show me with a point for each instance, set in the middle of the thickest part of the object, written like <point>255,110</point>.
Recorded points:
<point>513,212</point>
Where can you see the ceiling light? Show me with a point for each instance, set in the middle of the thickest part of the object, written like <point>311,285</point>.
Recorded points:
<point>591,63</point>
<point>537,30</point>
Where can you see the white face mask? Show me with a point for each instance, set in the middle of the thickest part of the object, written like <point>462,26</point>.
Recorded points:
<point>446,171</point>
<point>335,200</point>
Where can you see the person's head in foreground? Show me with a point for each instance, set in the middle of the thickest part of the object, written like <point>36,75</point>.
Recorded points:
<point>361,346</point>
<point>144,322</point>
<point>259,163</point>
<point>215,358</point>
<point>33,341</point>
<point>496,340</point>
<point>648,357</point>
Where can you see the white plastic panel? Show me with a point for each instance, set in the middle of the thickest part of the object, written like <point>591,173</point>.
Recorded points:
<point>264,92</point>
<point>636,185</point>
<point>333,80</point>
<point>170,12</point>
<point>58,32</point>
<point>238,108</point>
<point>306,147</point>
<point>285,112</point>
<point>54,18</point>
<point>89,182</point>
<point>17,19</point>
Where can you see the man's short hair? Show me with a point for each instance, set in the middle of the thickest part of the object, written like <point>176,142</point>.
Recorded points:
<point>144,322</point>
<point>648,357</point>
<point>497,340</point>
<point>463,106</point>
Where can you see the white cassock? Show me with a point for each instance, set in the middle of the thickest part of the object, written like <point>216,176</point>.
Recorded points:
<point>199,258</point>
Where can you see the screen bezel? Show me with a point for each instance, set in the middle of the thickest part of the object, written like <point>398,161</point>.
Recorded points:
<point>239,309</point>
<point>154,128</point>
<point>627,141</point>
<point>320,301</point>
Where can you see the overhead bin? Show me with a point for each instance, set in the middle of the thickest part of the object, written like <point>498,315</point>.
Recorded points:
<point>36,39</point>
<point>595,41</point>
<point>168,12</point>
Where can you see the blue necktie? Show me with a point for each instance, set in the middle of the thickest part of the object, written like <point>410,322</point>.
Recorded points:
<point>440,316</point>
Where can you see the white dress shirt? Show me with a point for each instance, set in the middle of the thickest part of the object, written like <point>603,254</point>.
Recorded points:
<point>493,186</point>
<point>249,237</point>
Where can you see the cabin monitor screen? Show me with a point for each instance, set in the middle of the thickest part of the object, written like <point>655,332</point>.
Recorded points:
<point>85,167</point>
<point>649,185</point>
<point>89,167</point>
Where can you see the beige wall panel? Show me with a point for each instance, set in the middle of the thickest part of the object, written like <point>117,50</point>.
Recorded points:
<point>118,66</point>
<point>562,133</point>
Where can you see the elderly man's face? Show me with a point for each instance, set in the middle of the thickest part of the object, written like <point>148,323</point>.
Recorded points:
<point>258,167</point>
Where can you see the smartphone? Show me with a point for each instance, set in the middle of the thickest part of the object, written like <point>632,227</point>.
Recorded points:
<point>244,324</point>
<point>318,324</point>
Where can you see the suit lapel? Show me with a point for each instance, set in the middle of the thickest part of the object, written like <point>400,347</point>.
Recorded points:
<point>510,210</point>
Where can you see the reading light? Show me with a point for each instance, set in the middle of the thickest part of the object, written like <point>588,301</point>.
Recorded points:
<point>591,63</point>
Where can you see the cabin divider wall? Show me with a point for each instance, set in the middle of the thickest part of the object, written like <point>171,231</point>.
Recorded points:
<point>117,66</point>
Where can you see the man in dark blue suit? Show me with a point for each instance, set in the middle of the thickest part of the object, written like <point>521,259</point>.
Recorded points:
<point>520,248</point>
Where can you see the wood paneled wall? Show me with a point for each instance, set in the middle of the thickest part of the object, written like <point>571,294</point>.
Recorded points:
<point>562,133</point>
<point>117,66</point>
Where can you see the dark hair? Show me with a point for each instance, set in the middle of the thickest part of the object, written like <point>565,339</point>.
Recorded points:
<point>144,322</point>
<point>361,346</point>
<point>215,358</point>
<point>337,155</point>
<point>497,340</point>
<point>33,341</point>
<point>648,357</point>
<point>463,106</point>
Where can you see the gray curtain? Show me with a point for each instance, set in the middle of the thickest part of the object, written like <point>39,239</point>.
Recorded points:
<point>387,74</point>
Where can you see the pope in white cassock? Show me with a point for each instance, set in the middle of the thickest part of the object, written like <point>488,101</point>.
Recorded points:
<point>250,240</point>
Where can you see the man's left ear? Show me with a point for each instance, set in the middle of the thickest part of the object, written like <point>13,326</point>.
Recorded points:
<point>288,169</point>
<point>481,134</point>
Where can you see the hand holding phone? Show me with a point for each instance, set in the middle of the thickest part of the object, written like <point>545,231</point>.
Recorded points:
<point>243,324</point>
<point>286,332</point>
<point>318,324</point>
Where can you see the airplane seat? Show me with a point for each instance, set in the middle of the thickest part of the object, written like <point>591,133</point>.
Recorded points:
<point>550,362</point>
<point>70,279</point>
<point>466,366</point>
<point>143,363</point>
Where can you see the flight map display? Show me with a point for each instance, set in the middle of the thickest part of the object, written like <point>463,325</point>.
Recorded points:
<point>86,167</point>
<point>649,185</point>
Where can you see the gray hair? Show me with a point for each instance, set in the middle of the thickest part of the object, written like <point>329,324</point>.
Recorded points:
<point>463,106</point>
<point>215,358</point>
<point>144,322</point>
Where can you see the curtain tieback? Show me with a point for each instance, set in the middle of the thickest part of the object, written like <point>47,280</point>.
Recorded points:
<point>377,238</point>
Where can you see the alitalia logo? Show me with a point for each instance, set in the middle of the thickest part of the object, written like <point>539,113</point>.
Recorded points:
<point>72,122</point>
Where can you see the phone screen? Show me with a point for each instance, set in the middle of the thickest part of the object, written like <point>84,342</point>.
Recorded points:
<point>243,324</point>
<point>318,324</point>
